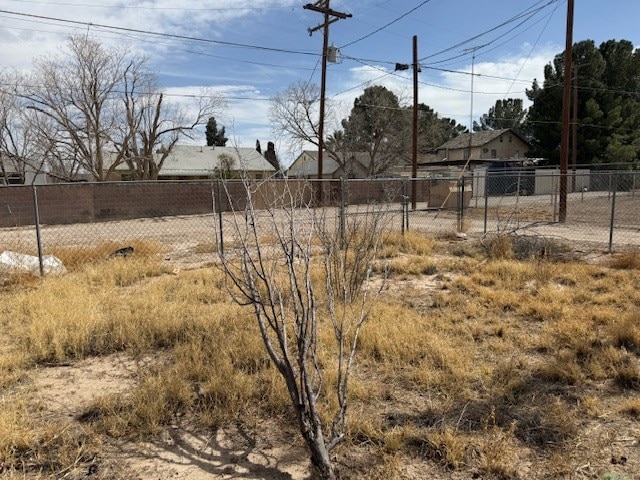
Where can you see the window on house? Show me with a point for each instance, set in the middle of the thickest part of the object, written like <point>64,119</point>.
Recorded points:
<point>500,139</point>
<point>509,139</point>
<point>494,153</point>
<point>465,154</point>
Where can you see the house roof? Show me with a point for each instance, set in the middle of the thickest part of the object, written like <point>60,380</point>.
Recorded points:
<point>307,162</point>
<point>478,139</point>
<point>195,160</point>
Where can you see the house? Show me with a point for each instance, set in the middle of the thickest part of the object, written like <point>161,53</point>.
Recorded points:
<point>489,144</point>
<point>355,165</point>
<point>20,173</point>
<point>193,162</point>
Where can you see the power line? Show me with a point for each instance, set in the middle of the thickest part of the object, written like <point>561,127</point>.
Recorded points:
<point>117,34</point>
<point>160,34</point>
<point>386,25</point>
<point>544,28</point>
<point>432,84</point>
<point>525,13</point>
<point>361,84</point>
<point>140,7</point>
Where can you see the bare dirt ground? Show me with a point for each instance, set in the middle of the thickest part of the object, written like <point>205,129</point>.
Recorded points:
<point>266,452</point>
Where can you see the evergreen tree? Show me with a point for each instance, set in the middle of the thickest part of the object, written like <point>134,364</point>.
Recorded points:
<point>215,137</point>
<point>434,130</point>
<point>376,125</point>
<point>608,79</point>
<point>507,113</point>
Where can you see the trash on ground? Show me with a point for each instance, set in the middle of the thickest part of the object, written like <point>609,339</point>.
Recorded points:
<point>14,262</point>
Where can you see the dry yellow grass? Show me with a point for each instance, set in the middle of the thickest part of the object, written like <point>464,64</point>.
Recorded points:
<point>501,363</point>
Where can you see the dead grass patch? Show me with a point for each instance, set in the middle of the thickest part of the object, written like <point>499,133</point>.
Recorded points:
<point>75,257</point>
<point>629,260</point>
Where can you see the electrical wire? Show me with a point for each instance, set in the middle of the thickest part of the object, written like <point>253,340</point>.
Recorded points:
<point>433,84</point>
<point>386,25</point>
<point>544,28</point>
<point>525,13</point>
<point>149,7</point>
<point>361,85</point>
<point>159,34</point>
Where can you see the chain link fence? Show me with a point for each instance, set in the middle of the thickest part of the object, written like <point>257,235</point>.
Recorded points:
<point>188,220</point>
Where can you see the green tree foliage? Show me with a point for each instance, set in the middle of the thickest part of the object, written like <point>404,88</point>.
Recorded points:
<point>434,130</point>
<point>608,79</point>
<point>215,137</point>
<point>506,113</point>
<point>376,125</point>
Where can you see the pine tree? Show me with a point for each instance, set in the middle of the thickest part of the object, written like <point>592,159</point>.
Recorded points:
<point>215,137</point>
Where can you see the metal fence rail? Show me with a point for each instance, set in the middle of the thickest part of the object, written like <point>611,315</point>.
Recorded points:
<point>184,218</point>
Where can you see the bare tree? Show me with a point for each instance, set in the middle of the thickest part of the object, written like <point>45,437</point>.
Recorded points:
<point>280,282</point>
<point>76,92</point>
<point>98,108</point>
<point>21,155</point>
<point>294,113</point>
<point>152,127</point>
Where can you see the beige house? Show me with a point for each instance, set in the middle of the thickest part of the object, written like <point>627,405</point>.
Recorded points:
<point>490,144</point>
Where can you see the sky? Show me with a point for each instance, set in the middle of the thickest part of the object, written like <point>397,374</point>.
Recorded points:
<point>249,51</point>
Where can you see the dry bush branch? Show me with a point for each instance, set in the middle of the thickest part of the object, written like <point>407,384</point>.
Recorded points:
<point>289,298</point>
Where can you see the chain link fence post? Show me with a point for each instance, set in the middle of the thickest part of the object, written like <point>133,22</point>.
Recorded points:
<point>36,217</point>
<point>341,211</point>
<point>613,182</point>
<point>460,203</point>
<point>404,217</point>
<point>486,202</point>
<point>219,202</point>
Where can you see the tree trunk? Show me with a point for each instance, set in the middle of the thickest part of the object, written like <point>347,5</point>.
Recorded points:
<point>320,459</point>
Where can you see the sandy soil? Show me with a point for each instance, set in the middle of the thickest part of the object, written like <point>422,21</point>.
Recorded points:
<point>65,392</point>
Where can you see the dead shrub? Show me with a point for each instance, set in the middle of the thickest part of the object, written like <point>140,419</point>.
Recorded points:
<point>626,333</point>
<point>631,407</point>
<point>499,247</point>
<point>629,260</point>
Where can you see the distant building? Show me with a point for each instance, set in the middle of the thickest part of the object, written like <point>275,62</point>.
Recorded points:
<point>192,162</point>
<point>488,144</point>
<point>352,165</point>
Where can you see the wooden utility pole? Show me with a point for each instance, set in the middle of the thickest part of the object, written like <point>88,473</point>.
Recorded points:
<point>414,156</point>
<point>566,113</point>
<point>330,16</point>
<point>574,129</point>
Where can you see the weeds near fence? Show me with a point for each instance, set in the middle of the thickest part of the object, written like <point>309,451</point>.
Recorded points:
<point>629,260</point>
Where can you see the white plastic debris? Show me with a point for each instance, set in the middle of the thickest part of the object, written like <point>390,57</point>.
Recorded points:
<point>12,262</point>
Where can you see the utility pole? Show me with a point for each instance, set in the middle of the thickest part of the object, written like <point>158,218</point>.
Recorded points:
<point>330,16</point>
<point>414,145</point>
<point>414,153</point>
<point>566,113</point>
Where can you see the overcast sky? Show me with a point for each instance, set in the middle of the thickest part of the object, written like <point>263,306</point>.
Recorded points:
<point>250,50</point>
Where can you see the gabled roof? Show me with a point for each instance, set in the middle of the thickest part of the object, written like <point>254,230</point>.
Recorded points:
<point>196,160</point>
<point>478,139</point>
<point>306,165</point>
